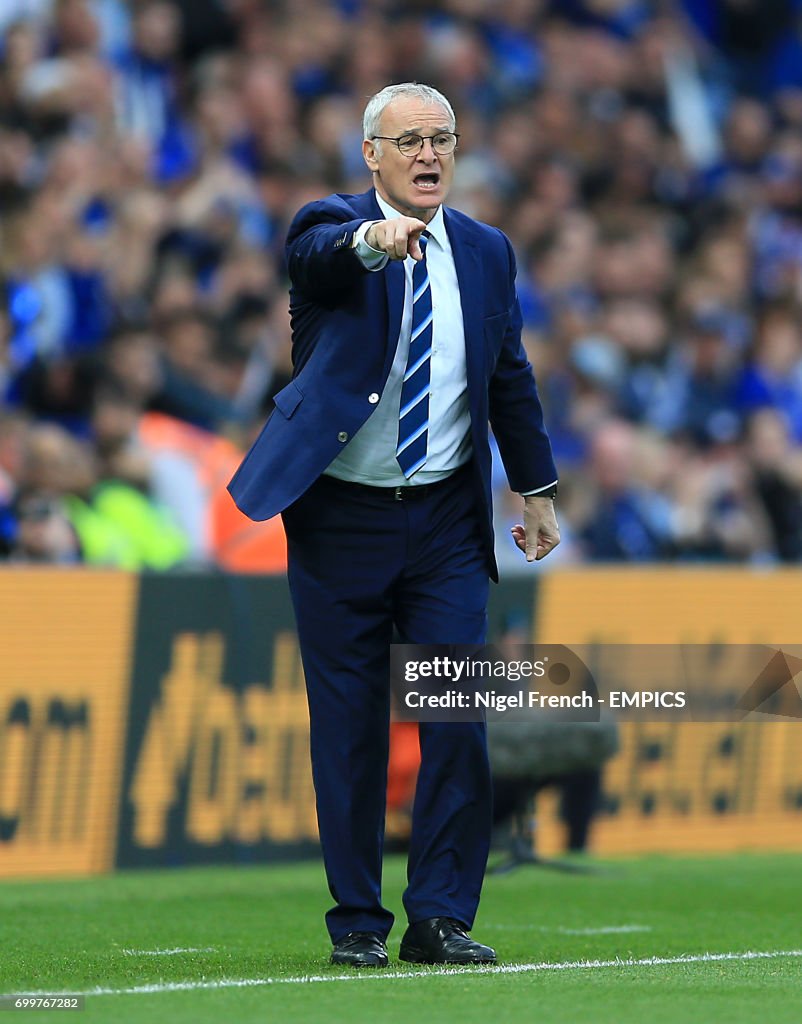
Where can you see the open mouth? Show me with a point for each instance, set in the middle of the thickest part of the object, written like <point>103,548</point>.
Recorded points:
<point>427,181</point>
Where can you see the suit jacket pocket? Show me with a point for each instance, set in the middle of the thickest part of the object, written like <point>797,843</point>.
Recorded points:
<point>494,328</point>
<point>288,399</point>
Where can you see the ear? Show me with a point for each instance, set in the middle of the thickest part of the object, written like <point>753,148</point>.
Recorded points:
<point>370,155</point>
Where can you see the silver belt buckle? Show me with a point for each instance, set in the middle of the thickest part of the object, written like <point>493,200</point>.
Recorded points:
<point>399,494</point>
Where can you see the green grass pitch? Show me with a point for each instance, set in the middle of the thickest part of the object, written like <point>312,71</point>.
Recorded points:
<point>247,944</point>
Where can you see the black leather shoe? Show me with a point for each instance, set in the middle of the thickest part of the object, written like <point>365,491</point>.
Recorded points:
<point>442,940</point>
<point>360,949</point>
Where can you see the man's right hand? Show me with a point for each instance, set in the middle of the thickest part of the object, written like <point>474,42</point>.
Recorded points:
<point>399,237</point>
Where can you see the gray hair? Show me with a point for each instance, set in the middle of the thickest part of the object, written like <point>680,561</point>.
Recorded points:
<point>376,104</point>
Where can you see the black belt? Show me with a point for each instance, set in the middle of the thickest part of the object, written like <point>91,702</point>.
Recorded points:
<point>408,492</point>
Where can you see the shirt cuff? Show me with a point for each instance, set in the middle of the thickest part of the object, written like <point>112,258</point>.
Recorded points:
<point>370,258</point>
<point>528,494</point>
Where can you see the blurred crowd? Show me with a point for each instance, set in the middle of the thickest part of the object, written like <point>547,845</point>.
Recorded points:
<point>644,157</point>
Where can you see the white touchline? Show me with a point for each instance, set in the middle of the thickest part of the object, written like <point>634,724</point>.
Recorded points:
<point>621,929</point>
<point>438,972</point>
<point>169,952</point>
<point>616,929</point>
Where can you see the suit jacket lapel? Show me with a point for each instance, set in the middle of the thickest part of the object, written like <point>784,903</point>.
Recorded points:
<point>395,284</point>
<point>469,276</point>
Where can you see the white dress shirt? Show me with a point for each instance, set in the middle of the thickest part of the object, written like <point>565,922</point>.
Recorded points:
<point>369,457</point>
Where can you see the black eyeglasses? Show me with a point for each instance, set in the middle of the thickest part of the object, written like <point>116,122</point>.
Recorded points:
<point>443,143</point>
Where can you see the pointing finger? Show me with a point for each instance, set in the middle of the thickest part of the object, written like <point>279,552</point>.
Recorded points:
<point>417,227</point>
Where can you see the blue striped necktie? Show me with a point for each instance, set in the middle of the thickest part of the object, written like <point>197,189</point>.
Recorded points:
<point>413,415</point>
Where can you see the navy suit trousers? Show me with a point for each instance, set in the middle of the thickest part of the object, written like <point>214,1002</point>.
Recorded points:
<point>360,564</point>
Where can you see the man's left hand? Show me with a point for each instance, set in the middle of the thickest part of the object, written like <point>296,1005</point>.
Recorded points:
<point>540,533</point>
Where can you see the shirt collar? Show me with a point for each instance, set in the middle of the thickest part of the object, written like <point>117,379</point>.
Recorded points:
<point>436,226</point>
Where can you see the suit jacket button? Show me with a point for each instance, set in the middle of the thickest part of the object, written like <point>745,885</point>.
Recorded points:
<point>342,436</point>
<point>373,399</point>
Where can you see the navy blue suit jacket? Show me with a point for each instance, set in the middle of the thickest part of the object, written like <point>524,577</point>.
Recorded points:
<point>345,327</point>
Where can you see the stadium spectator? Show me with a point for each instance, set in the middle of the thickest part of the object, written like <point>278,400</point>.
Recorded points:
<point>772,378</point>
<point>777,467</point>
<point>626,519</point>
<point>43,532</point>
<point>113,523</point>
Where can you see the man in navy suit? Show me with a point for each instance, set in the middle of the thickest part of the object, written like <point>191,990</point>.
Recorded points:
<point>406,344</point>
